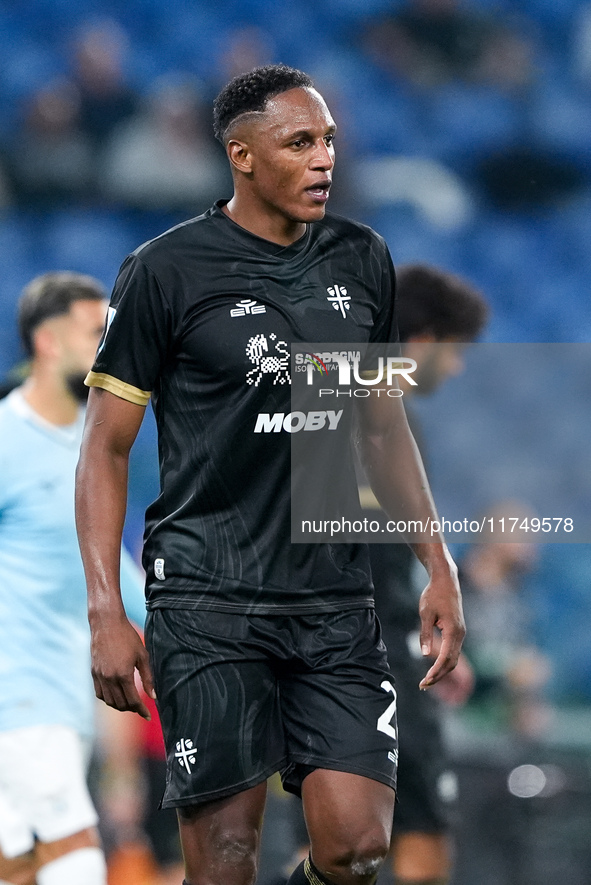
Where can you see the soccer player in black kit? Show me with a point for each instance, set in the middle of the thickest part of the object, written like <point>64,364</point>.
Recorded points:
<point>266,656</point>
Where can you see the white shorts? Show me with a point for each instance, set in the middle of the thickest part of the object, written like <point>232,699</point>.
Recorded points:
<point>43,791</point>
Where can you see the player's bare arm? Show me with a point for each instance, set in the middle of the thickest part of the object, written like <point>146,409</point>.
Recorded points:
<point>395,471</point>
<point>117,651</point>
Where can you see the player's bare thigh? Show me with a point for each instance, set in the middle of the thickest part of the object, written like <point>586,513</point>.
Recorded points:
<point>221,839</point>
<point>19,870</point>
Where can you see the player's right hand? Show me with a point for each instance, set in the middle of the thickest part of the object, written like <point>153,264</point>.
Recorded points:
<point>456,687</point>
<point>116,653</point>
<point>440,607</point>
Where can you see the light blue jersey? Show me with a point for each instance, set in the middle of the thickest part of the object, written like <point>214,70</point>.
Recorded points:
<point>44,635</point>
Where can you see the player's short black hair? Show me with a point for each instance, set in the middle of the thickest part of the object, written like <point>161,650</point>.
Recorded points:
<point>431,301</point>
<point>52,295</point>
<point>251,92</point>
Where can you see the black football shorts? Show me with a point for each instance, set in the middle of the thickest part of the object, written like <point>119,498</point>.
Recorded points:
<point>242,696</point>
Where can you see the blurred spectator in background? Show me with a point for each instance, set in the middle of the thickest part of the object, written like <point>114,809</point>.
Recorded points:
<point>106,99</point>
<point>510,670</point>
<point>165,157</point>
<point>433,41</point>
<point>581,37</point>
<point>50,161</point>
<point>438,315</point>
<point>529,176</point>
<point>5,191</point>
<point>435,191</point>
<point>245,48</point>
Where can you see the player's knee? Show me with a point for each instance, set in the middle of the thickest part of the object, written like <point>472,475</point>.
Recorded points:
<point>365,868</point>
<point>230,854</point>
<point>236,849</point>
<point>82,865</point>
<point>360,863</point>
<point>18,870</point>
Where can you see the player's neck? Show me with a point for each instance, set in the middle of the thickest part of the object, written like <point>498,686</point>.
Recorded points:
<point>50,398</point>
<point>269,226</point>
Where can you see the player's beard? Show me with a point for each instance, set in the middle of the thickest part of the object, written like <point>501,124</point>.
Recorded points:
<point>77,387</point>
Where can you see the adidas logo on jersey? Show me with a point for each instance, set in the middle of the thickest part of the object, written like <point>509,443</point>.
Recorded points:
<point>246,307</point>
<point>293,422</point>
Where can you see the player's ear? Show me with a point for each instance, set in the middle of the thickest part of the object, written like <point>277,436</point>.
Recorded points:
<point>240,156</point>
<point>46,342</point>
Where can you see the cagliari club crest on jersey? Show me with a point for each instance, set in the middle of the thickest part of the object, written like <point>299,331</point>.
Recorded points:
<point>269,357</point>
<point>340,300</point>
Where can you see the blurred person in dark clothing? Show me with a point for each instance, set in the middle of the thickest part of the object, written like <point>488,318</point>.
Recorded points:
<point>430,42</point>
<point>164,156</point>
<point>438,314</point>
<point>510,669</point>
<point>50,160</point>
<point>245,48</point>
<point>106,99</point>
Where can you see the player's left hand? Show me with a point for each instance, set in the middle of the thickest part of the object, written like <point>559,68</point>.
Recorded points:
<point>440,607</point>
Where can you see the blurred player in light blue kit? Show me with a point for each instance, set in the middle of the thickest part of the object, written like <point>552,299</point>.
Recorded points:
<point>48,823</point>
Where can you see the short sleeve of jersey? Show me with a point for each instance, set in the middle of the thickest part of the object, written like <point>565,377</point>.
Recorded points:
<point>385,328</point>
<point>137,337</point>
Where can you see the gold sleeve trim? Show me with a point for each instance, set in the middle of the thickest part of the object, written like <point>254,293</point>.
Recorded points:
<point>373,375</point>
<point>367,499</point>
<point>119,388</point>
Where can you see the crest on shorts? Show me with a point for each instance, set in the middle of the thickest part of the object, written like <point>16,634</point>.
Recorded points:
<point>185,753</point>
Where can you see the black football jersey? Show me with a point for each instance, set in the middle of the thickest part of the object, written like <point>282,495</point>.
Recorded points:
<point>201,320</point>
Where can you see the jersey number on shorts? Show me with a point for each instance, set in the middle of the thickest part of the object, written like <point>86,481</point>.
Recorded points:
<point>385,720</point>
